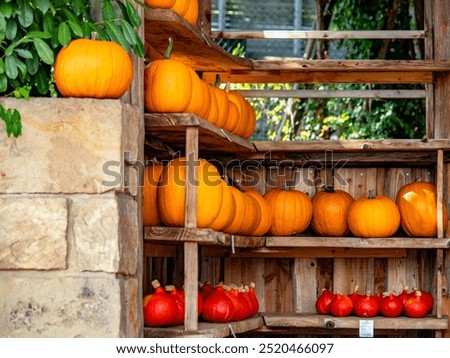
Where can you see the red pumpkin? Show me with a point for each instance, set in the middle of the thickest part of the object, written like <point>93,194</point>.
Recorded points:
<point>323,302</point>
<point>391,306</point>
<point>404,295</point>
<point>416,306</point>
<point>355,295</point>
<point>367,306</point>
<point>218,307</point>
<point>160,308</point>
<point>341,306</point>
<point>179,299</point>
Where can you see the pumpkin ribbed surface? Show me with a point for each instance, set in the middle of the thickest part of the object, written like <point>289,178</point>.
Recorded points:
<point>417,203</point>
<point>150,210</point>
<point>172,191</point>
<point>291,211</point>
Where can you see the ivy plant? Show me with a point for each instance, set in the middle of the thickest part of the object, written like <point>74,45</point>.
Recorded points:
<point>32,32</point>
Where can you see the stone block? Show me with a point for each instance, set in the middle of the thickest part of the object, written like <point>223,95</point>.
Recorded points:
<point>105,233</point>
<point>42,307</point>
<point>68,145</point>
<point>33,233</point>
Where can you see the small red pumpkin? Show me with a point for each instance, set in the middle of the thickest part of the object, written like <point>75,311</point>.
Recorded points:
<point>391,305</point>
<point>218,307</point>
<point>367,306</point>
<point>160,308</point>
<point>416,306</point>
<point>323,302</point>
<point>341,306</point>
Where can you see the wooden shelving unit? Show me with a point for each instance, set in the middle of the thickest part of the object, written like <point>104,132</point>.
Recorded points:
<point>428,158</point>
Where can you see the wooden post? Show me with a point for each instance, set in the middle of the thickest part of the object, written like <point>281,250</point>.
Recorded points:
<point>190,221</point>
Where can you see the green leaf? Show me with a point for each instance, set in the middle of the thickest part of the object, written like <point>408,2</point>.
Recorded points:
<point>13,122</point>
<point>2,23</point>
<point>6,9</point>
<point>22,67</point>
<point>11,67</point>
<point>44,51</point>
<point>64,35</point>
<point>116,35</point>
<point>11,29</point>
<point>133,14</point>
<point>25,15</point>
<point>48,23</point>
<point>76,28</point>
<point>33,63</point>
<point>38,35</point>
<point>108,12</point>
<point>2,66</point>
<point>138,48</point>
<point>3,83</point>
<point>23,53</point>
<point>129,33</point>
<point>43,5</point>
<point>42,81</point>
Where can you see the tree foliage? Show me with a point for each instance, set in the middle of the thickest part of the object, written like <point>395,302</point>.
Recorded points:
<point>350,118</point>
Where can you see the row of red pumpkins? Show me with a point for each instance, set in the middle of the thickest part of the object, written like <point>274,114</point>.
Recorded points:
<point>219,304</point>
<point>282,212</point>
<point>414,304</point>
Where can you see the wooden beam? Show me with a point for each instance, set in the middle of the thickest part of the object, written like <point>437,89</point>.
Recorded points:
<point>317,34</point>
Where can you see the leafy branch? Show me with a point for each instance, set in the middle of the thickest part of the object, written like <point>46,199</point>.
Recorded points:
<point>33,32</point>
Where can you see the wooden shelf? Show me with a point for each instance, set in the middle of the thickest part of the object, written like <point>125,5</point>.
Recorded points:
<point>210,237</point>
<point>214,330</point>
<point>170,128</point>
<point>190,45</point>
<point>352,322</point>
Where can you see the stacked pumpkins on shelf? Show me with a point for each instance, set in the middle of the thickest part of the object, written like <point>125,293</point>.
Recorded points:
<point>172,86</point>
<point>187,9</point>
<point>282,212</point>
<point>414,304</point>
<point>217,304</point>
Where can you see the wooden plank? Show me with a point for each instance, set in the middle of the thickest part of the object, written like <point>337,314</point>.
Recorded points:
<point>296,76</point>
<point>190,45</point>
<point>278,285</point>
<point>304,285</point>
<point>156,250</point>
<point>205,329</point>
<point>353,65</point>
<point>353,145</point>
<point>305,252</point>
<point>317,34</point>
<point>190,286</point>
<point>356,242</point>
<point>330,322</point>
<point>170,128</point>
<point>389,94</point>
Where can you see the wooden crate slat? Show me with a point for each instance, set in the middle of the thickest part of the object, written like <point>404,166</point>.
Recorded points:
<point>330,322</point>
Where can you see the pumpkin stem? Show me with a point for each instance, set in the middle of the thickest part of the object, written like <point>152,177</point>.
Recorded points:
<point>168,49</point>
<point>328,188</point>
<point>155,283</point>
<point>372,194</point>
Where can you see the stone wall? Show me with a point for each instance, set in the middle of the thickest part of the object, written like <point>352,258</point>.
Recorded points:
<point>69,228</point>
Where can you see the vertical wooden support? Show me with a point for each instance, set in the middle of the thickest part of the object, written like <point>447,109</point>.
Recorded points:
<point>440,230</point>
<point>190,221</point>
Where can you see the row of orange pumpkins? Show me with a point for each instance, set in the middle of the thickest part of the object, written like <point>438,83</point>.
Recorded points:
<point>172,86</point>
<point>282,212</point>
<point>187,9</point>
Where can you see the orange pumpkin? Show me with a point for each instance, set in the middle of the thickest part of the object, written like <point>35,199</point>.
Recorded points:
<point>239,101</point>
<point>200,99</point>
<point>227,211</point>
<point>191,14</point>
<point>266,217</point>
<point>214,106</point>
<point>252,216</point>
<point>417,203</point>
<point>373,216</point>
<point>241,207</point>
<point>93,68</point>
<point>222,106</point>
<point>167,85</point>
<point>330,212</point>
<point>181,7</point>
<point>232,118</point>
<point>172,190</point>
<point>150,211</point>
<point>291,211</point>
<point>163,4</point>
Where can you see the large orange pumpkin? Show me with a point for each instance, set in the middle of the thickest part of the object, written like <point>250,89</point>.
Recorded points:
<point>150,211</point>
<point>417,203</point>
<point>191,14</point>
<point>241,206</point>
<point>93,68</point>
<point>172,192</point>
<point>373,216</point>
<point>252,216</point>
<point>330,212</point>
<point>167,85</point>
<point>291,211</point>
